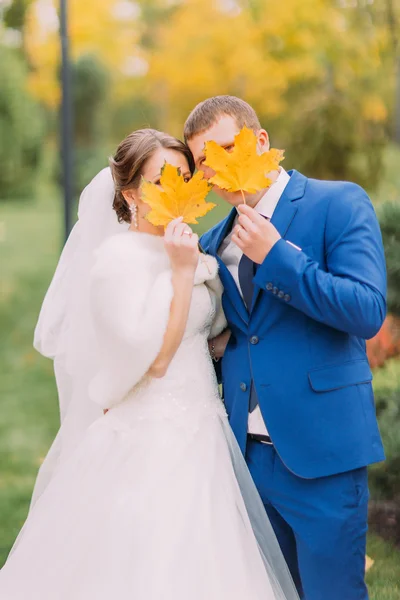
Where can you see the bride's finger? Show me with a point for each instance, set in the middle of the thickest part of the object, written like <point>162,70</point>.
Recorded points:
<point>170,228</point>
<point>190,240</point>
<point>180,229</point>
<point>185,229</point>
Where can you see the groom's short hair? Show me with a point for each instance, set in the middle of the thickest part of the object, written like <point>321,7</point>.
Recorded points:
<point>205,114</point>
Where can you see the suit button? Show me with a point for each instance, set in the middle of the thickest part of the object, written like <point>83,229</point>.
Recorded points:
<point>286,298</point>
<point>243,387</point>
<point>269,286</point>
<point>281,294</point>
<point>254,340</point>
<point>275,291</point>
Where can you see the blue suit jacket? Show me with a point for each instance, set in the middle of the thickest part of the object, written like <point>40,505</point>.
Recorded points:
<point>303,341</point>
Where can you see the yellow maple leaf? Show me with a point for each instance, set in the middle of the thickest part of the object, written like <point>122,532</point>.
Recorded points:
<point>242,169</point>
<point>368,563</point>
<point>176,197</point>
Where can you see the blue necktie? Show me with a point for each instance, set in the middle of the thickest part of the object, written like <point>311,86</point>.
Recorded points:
<point>246,273</point>
<point>247,270</point>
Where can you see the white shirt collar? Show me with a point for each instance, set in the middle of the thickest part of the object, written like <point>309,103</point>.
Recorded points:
<point>269,201</point>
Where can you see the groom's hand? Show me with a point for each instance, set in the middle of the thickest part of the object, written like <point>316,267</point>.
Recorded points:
<point>254,234</point>
<point>219,343</point>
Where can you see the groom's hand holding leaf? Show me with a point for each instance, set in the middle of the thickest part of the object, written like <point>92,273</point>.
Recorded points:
<point>244,168</point>
<point>254,234</point>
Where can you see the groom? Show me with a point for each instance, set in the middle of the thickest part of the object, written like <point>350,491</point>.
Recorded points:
<point>304,276</point>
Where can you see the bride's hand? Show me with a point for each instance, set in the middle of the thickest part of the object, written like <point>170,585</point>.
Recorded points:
<point>182,246</point>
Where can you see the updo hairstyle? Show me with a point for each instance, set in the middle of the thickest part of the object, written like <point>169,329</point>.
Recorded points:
<point>129,160</point>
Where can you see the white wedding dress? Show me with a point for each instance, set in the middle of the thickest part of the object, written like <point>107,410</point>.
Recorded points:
<point>155,502</point>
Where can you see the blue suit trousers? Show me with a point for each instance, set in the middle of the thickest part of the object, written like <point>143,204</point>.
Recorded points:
<point>320,523</point>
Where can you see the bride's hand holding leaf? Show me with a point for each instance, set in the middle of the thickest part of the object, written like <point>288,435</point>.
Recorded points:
<point>182,246</point>
<point>174,203</point>
<point>175,197</point>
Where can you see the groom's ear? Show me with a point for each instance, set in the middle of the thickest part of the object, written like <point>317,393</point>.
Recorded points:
<point>263,140</point>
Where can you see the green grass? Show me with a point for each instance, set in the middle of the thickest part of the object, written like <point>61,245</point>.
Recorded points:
<point>30,240</point>
<point>383,578</point>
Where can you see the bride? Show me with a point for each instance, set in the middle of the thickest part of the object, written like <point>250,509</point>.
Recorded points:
<point>144,494</point>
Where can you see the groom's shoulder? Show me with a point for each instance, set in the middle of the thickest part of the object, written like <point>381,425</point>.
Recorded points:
<point>333,188</point>
<point>340,194</point>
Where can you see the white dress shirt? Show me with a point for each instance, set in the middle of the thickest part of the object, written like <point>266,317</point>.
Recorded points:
<point>231,256</point>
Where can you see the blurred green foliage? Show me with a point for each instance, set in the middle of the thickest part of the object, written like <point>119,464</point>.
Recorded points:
<point>328,142</point>
<point>385,477</point>
<point>22,129</point>
<point>389,218</point>
<point>15,13</point>
<point>91,94</point>
<point>322,76</point>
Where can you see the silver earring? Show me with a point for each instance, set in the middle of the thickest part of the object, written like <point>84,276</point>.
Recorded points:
<point>134,214</point>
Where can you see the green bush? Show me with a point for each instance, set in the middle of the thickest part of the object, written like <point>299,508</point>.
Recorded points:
<point>389,219</point>
<point>91,87</point>
<point>22,129</point>
<point>90,94</point>
<point>385,477</point>
<point>130,114</point>
<point>326,137</point>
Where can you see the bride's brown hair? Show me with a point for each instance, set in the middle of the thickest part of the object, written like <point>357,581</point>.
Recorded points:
<point>129,159</point>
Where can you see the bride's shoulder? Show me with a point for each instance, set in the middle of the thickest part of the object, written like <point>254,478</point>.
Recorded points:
<point>129,248</point>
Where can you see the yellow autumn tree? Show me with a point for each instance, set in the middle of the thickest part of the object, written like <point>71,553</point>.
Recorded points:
<point>258,51</point>
<point>106,28</point>
<point>312,69</point>
<point>308,67</point>
<point>206,50</point>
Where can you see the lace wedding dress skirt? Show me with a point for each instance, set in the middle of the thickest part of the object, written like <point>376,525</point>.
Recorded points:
<point>155,503</point>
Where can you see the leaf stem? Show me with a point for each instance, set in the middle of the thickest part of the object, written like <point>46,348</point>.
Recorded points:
<point>244,199</point>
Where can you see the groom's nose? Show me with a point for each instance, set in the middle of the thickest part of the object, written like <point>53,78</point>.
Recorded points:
<point>207,171</point>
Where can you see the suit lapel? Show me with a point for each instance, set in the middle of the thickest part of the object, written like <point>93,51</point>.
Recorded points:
<point>285,210</point>
<point>228,282</point>
<point>223,230</point>
<point>282,218</point>
<point>230,288</point>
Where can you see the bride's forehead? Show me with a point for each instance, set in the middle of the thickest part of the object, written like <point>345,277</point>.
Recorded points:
<point>162,155</point>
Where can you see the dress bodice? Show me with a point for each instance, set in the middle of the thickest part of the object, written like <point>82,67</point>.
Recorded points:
<point>189,390</point>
